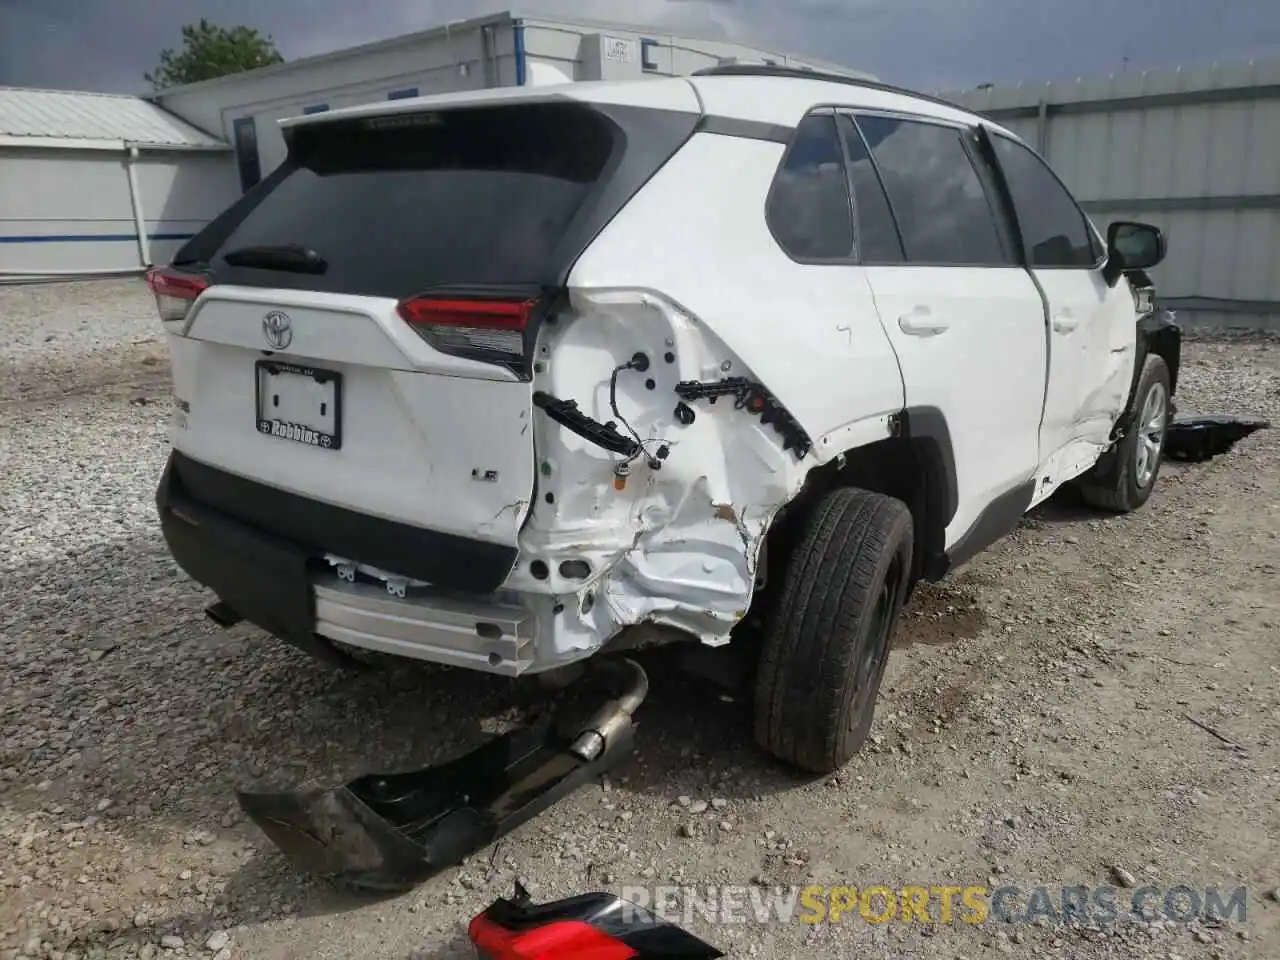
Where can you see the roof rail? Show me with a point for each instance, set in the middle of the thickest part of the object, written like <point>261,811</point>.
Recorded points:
<point>797,73</point>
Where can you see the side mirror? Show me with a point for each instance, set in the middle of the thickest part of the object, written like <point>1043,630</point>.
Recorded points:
<point>1132,246</point>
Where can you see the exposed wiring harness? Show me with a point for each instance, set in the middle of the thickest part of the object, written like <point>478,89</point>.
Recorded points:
<point>606,435</point>
<point>640,363</point>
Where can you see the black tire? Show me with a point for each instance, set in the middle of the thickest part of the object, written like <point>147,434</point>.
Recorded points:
<point>1116,484</point>
<point>827,639</point>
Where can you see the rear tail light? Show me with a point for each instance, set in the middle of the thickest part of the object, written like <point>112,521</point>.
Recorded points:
<point>174,292</point>
<point>489,330</point>
<point>561,940</point>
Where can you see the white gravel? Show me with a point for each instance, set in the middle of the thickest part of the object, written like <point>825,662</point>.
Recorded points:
<point>44,321</point>
<point>1032,728</point>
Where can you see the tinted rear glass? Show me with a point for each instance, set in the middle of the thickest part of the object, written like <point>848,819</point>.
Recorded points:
<point>398,204</point>
<point>808,208</point>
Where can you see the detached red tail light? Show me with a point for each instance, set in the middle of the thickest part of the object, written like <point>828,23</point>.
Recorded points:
<point>174,291</point>
<point>488,330</point>
<point>561,940</point>
<point>589,926</point>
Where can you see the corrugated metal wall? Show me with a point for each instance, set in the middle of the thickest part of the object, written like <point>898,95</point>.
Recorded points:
<point>1194,151</point>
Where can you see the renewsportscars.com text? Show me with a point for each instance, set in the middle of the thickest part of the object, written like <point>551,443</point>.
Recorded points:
<point>940,904</point>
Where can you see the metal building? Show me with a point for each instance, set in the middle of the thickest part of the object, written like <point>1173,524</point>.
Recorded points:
<point>96,184</point>
<point>496,51</point>
<point>1193,151</point>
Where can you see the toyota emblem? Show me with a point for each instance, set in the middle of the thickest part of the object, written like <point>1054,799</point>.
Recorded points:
<point>277,328</point>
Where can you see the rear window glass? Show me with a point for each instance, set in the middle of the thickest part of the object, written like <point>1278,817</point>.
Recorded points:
<point>397,204</point>
<point>808,208</point>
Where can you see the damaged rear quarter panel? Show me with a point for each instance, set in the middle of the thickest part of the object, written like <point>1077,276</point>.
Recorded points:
<point>674,546</point>
<point>689,274</point>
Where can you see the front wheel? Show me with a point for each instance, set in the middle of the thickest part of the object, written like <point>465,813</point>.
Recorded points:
<point>1138,455</point>
<point>827,639</point>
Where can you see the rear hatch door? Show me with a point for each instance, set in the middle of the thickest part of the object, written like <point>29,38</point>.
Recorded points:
<point>364,328</point>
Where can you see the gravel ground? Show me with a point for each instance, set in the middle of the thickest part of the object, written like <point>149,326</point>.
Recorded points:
<point>1093,701</point>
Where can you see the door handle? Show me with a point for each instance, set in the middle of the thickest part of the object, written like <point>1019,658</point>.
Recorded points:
<point>1065,322</point>
<point>920,322</point>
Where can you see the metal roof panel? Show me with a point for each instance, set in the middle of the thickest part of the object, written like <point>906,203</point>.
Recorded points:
<point>67,115</point>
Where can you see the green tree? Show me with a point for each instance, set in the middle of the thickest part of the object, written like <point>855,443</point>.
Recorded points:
<point>210,51</point>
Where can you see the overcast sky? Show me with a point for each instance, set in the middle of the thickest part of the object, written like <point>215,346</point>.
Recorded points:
<point>106,45</point>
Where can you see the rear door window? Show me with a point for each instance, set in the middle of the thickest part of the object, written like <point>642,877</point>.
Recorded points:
<point>808,209</point>
<point>943,213</point>
<point>398,204</point>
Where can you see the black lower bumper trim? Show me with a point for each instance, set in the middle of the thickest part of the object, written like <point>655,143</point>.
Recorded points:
<point>307,528</point>
<point>258,577</point>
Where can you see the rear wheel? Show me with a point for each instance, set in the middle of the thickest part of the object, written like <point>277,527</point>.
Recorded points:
<point>1139,454</point>
<point>827,639</point>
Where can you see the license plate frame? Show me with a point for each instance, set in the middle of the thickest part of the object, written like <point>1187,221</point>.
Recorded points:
<point>299,433</point>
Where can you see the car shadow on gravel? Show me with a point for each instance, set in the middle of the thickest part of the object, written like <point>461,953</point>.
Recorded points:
<point>1067,505</point>
<point>265,891</point>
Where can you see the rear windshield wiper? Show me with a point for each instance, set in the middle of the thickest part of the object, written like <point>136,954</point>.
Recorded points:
<point>292,256</point>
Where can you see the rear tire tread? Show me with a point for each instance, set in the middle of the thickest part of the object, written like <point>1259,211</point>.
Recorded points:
<point>805,686</point>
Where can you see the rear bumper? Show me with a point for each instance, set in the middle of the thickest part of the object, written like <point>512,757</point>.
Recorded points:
<point>274,575</point>
<point>446,560</point>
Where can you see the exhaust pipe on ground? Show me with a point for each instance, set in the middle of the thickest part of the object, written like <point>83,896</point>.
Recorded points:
<point>607,724</point>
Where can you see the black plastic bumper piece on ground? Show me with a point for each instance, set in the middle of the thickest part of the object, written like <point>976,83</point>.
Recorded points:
<point>616,922</point>
<point>1194,439</point>
<point>390,833</point>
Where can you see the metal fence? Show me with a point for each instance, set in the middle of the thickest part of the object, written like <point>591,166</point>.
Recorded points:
<point>1194,151</point>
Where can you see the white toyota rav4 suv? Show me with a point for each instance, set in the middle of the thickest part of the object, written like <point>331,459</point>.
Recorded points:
<point>505,380</point>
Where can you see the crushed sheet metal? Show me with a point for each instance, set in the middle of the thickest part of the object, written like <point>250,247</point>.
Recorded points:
<point>1195,439</point>
<point>673,546</point>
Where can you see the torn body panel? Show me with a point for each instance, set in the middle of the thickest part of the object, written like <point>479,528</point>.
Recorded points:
<point>669,536</point>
